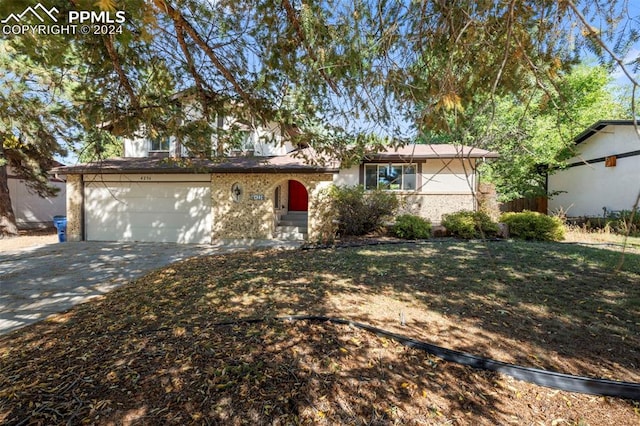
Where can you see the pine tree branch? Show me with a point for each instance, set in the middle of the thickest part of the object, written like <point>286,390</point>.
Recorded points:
<point>293,19</point>
<point>181,22</point>
<point>122,76</point>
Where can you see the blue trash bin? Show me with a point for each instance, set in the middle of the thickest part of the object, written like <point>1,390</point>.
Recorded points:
<point>60,223</point>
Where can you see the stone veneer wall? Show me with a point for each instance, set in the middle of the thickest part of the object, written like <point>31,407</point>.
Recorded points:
<point>74,207</point>
<point>433,206</point>
<point>251,218</point>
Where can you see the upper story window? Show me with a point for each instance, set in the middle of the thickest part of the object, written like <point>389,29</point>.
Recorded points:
<point>246,140</point>
<point>160,143</point>
<point>394,177</point>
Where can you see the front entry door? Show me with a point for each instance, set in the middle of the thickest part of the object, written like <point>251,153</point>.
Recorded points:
<point>298,197</point>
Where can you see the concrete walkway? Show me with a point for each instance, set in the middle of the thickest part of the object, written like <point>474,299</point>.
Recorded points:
<point>40,281</point>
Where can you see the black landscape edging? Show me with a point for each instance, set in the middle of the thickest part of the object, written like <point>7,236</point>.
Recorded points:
<point>551,379</point>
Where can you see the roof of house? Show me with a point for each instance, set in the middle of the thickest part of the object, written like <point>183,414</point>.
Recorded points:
<point>285,163</point>
<point>426,151</point>
<point>301,161</point>
<point>599,125</point>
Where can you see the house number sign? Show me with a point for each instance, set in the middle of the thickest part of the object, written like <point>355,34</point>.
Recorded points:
<point>257,197</point>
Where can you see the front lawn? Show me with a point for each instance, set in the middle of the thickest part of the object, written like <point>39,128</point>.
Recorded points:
<point>151,352</point>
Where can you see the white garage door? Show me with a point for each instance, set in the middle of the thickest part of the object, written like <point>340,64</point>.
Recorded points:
<point>148,211</point>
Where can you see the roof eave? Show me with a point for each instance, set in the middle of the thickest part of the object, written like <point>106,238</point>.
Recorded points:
<point>599,125</point>
<point>76,170</point>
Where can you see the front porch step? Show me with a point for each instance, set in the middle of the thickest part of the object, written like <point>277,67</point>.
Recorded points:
<point>292,226</point>
<point>289,222</point>
<point>291,233</point>
<point>294,219</point>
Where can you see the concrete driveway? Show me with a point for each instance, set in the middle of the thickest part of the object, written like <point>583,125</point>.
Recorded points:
<point>40,281</point>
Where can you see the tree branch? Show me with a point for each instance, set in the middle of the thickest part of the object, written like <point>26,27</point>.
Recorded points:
<point>180,22</point>
<point>291,15</point>
<point>192,68</point>
<point>124,80</point>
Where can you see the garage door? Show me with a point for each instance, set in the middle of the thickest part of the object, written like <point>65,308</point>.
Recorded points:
<point>148,211</point>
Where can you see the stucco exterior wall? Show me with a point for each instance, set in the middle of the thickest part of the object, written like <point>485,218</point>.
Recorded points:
<point>586,188</point>
<point>610,140</point>
<point>447,186</point>
<point>253,215</point>
<point>74,207</point>
<point>438,176</point>
<point>348,177</point>
<point>32,210</point>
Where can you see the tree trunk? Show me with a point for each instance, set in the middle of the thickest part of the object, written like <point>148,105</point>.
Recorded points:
<point>8,225</point>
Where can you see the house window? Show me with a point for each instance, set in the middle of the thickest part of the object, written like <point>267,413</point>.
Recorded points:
<point>394,177</point>
<point>277,198</point>
<point>160,143</point>
<point>246,141</point>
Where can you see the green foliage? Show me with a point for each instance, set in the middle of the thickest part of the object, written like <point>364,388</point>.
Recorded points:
<point>98,144</point>
<point>626,221</point>
<point>333,70</point>
<point>411,227</point>
<point>360,212</point>
<point>33,118</point>
<point>534,226</point>
<point>329,74</point>
<point>533,128</point>
<point>468,224</point>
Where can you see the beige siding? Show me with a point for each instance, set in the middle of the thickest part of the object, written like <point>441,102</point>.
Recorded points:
<point>448,176</point>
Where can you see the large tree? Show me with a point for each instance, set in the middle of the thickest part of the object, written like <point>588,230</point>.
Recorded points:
<point>336,74</point>
<point>533,130</point>
<point>32,120</point>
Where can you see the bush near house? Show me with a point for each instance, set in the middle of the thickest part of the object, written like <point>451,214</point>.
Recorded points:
<point>468,224</point>
<point>411,227</point>
<point>529,225</point>
<point>360,212</point>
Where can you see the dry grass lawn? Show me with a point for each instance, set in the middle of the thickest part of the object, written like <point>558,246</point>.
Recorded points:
<point>151,352</point>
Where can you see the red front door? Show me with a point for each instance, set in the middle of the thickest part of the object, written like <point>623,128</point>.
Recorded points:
<point>298,197</point>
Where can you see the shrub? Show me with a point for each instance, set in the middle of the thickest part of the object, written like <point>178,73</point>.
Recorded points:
<point>411,227</point>
<point>468,224</point>
<point>534,226</point>
<point>360,212</point>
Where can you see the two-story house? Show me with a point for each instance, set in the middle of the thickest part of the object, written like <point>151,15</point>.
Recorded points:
<point>262,189</point>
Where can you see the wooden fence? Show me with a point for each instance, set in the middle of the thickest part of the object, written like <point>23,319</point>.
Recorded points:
<point>537,204</point>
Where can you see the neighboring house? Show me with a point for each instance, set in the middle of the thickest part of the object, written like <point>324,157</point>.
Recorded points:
<point>32,210</point>
<point>153,194</point>
<point>603,176</point>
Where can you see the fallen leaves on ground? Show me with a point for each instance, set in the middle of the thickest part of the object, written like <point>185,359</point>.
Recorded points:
<point>151,352</point>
